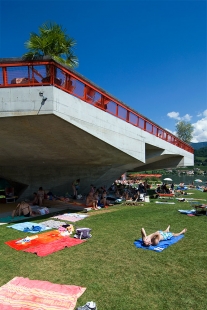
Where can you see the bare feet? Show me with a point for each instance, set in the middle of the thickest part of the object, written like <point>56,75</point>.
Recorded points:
<point>184,231</point>
<point>168,228</point>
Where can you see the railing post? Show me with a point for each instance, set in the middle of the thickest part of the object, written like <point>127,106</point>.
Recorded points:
<point>127,116</point>
<point>5,78</point>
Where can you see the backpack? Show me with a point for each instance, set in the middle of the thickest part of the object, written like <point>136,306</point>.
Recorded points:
<point>83,233</point>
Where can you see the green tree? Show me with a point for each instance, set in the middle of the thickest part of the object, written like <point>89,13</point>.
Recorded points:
<point>53,41</point>
<point>184,131</point>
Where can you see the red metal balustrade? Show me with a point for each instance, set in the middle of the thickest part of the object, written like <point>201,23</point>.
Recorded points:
<point>18,73</point>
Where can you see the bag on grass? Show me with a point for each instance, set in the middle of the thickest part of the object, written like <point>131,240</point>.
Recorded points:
<point>83,233</point>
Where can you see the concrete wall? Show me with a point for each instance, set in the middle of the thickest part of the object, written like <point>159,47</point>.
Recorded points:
<point>50,143</point>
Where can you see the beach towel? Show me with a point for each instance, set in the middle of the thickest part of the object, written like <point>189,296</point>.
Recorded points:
<point>166,203</point>
<point>10,219</point>
<point>53,224</point>
<point>54,246</point>
<point>71,217</point>
<point>24,243</point>
<point>25,294</point>
<point>30,227</point>
<point>164,244</point>
<point>187,211</point>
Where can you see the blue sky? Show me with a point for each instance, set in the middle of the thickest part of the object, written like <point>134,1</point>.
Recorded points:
<point>149,54</point>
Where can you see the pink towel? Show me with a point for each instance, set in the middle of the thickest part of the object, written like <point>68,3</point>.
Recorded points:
<point>25,294</point>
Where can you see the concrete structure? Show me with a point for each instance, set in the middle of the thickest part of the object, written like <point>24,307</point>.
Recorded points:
<point>51,136</point>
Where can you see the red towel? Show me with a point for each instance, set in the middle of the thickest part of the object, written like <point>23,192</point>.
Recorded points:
<point>54,246</point>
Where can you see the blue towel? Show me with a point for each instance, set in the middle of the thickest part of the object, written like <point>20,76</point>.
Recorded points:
<point>34,228</point>
<point>160,247</point>
<point>29,227</point>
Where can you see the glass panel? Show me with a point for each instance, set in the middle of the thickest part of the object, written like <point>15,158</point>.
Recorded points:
<point>122,112</point>
<point>39,73</point>
<point>1,77</point>
<point>133,119</point>
<point>111,107</point>
<point>154,130</point>
<point>17,75</point>
<point>160,133</point>
<point>60,77</point>
<point>97,99</point>
<point>164,135</point>
<point>148,127</point>
<point>90,94</point>
<point>141,123</point>
<point>79,88</point>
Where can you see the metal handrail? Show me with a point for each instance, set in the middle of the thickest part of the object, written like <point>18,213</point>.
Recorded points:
<point>19,73</point>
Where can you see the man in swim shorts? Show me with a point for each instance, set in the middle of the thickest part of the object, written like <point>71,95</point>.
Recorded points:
<point>156,237</point>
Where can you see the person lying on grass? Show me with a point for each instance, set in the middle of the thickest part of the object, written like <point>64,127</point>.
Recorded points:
<point>156,237</point>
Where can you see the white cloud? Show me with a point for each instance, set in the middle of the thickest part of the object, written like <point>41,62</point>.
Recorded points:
<point>176,115</point>
<point>200,127</point>
<point>186,117</point>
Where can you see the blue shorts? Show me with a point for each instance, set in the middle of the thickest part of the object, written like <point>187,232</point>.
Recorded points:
<point>166,235</point>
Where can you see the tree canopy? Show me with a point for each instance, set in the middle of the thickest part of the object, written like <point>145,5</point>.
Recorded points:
<point>184,131</point>
<point>53,41</point>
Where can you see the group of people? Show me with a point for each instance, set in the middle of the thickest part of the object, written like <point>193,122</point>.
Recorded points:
<point>97,197</point>
<point>164,189</point>
<point>24,208</point>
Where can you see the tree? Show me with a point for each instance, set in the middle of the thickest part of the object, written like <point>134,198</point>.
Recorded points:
<point>53,41</point>
<point>184,131</point>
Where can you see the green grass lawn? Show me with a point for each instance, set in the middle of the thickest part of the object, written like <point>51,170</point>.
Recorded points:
<point>116,274</point>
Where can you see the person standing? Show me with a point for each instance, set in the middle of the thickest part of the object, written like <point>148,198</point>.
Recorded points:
<point>75,187</point>
<point>40,195</point>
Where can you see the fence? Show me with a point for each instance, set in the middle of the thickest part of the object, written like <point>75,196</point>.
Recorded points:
<point>35,73</point>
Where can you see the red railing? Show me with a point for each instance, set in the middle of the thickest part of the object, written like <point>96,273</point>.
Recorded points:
<point>18,73</point>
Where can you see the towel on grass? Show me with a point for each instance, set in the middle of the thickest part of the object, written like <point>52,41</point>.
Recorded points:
<point>187,211</point>
<point>30,227</point>
<point>9,219</point>
<point>46,237</point>
<point>54,246</point>
<point>167,203</point>
<point>53,224</point>
<point>71,217</point>
<point>160,247</point>
<point>25,294</point>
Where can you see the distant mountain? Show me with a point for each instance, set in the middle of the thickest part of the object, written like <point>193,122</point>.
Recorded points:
<point>198,145</point>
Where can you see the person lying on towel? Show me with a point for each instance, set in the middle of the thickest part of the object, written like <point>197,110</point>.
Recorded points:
<point>156,237</point>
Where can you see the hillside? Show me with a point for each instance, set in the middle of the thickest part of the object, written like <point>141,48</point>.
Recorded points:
<point>198,145</point>
<point>202,152</point>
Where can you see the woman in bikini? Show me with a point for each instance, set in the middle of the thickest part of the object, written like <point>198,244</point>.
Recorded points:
<point>40,196</point>
<point>156,237</point>
<point>23,208</point>
<point>91,202</point>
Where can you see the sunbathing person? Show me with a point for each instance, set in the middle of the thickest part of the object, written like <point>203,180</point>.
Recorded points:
<point>156,237</point>
<point>23,208</point>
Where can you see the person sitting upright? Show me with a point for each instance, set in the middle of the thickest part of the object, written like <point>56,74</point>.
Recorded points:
<point>23,208</point>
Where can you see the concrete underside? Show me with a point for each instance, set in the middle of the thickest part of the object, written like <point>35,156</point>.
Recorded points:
<point>66,139</point>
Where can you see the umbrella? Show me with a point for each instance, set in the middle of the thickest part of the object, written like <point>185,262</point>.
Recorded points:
<point>167,179</point>
<point>198,180</point>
